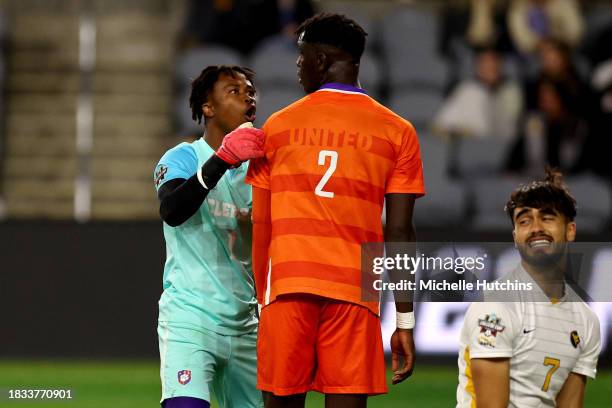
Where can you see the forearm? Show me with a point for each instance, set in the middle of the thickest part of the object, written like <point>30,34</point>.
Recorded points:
<point>179,202</point>
<point>406,235</point>
<point>572,392</point>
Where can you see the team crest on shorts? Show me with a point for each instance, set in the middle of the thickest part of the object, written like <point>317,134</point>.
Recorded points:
<point>489,327</point>
<point>184,376</point>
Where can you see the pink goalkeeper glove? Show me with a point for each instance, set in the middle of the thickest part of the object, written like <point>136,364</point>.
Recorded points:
<point>244,143</point>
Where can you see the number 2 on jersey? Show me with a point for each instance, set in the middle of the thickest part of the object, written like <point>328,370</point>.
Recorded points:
<point>333,155</point>
<point>554,365</point>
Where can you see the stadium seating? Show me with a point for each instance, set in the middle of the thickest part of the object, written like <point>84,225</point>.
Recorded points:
<point>489,196</point>
<point>594,199</point>
<point>274,62</point>
<point>476,157</point>
<point>445,203</point>
<point>371,75</point>
<point>191,62</point>
<point>409,38</point>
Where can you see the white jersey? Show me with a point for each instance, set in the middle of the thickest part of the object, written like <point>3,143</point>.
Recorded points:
<point>545,342</point>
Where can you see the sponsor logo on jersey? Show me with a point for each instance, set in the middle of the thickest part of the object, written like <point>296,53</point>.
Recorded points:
<point>160,174</point>
<point>490,325</point>
<point>184,376</point>
<point>574,339</point>
<point>527,331</point>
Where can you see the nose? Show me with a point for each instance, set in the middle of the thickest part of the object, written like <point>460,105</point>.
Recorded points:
<point>536,226</point>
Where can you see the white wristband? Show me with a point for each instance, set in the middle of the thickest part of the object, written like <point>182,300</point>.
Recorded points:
<point>200,179</point>
<point>405,320</point>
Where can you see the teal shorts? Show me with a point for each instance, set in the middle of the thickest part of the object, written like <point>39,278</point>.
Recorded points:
<point>196,363</point>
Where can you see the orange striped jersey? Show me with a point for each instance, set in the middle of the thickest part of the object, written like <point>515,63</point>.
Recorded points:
<point>330,158</point>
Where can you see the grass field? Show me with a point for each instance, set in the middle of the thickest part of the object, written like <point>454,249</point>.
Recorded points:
<point>136,385</point>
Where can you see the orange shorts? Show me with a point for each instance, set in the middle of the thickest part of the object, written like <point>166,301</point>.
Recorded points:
<point>308,342</point>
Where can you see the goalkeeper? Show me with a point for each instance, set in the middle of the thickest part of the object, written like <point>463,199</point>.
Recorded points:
<point>207,313</point>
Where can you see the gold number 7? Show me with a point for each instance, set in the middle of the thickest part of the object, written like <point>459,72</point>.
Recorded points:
<point>554,365</point>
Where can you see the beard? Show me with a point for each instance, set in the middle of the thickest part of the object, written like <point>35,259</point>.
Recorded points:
<point>544,258</point>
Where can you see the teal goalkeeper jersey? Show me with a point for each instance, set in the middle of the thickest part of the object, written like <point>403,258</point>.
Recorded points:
<point>208,280</point>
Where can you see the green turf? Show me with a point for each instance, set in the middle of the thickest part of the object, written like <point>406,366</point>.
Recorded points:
<point>136,384</point>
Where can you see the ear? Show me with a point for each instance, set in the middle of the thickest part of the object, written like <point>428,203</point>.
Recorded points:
<point>208,110</point>
<point>322,62</point>
<point>570,232</point>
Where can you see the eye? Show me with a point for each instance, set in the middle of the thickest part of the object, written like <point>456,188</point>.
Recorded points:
<point>234,91</point>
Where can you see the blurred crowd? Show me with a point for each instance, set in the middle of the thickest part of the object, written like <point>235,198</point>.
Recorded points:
<point>242,24</point>
<point>542,81</point>
<point>534,75</point>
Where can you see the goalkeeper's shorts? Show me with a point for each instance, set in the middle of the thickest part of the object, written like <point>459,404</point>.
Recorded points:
<point>198,363</point>
<point>314,343</point>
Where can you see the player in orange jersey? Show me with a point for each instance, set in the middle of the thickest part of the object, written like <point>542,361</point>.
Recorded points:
<point>331,160</point>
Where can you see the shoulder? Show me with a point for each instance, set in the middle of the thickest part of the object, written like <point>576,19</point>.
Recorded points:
<point>179,162</point>
<point>389,119</point>
<point>288,112</point>
<point>180,152</point>
<point>482,308</point>
<point>590,317</point>
<point>398,123</point>
<point>494,314</point>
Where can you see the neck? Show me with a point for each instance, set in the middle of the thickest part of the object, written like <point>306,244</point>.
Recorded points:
<point>213,136</point>
<point>550,279</point>
<point>342,72</point>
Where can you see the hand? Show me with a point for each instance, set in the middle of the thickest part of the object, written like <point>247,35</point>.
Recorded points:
<point>402,346</point>
<point>244,215</point>
<point>242,144</point>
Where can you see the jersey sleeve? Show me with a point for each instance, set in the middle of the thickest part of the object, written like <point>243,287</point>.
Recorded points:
<point>258,174</point>
<point>407,175</point>
<point>180,162</point>
<point>489,329</point>
<point>587,362</point>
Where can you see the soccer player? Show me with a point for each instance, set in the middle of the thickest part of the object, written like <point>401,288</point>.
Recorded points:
<point>331,160</point>
<point>207,313</point>
<point>539,350</point>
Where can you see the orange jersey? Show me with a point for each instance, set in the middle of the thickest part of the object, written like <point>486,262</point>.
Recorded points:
<point>330,158</point>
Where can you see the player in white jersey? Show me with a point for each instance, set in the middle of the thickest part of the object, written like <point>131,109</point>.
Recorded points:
<point>537,350</point>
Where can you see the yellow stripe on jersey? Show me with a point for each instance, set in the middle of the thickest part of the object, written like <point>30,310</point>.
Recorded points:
<point>468,374</point>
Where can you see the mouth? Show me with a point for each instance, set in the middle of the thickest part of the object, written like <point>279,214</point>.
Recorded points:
<point>250,114</point>
<point>540,242</point>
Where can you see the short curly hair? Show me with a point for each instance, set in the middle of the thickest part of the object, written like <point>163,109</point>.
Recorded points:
<point>204,84</point>
<point>336,30</point>
<point>551,192</point>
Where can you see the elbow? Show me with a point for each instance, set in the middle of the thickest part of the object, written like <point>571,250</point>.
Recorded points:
<point>168,217</point>
<point>400,234</point>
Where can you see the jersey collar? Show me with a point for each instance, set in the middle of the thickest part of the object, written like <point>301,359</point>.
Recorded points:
<point>342,88</point>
